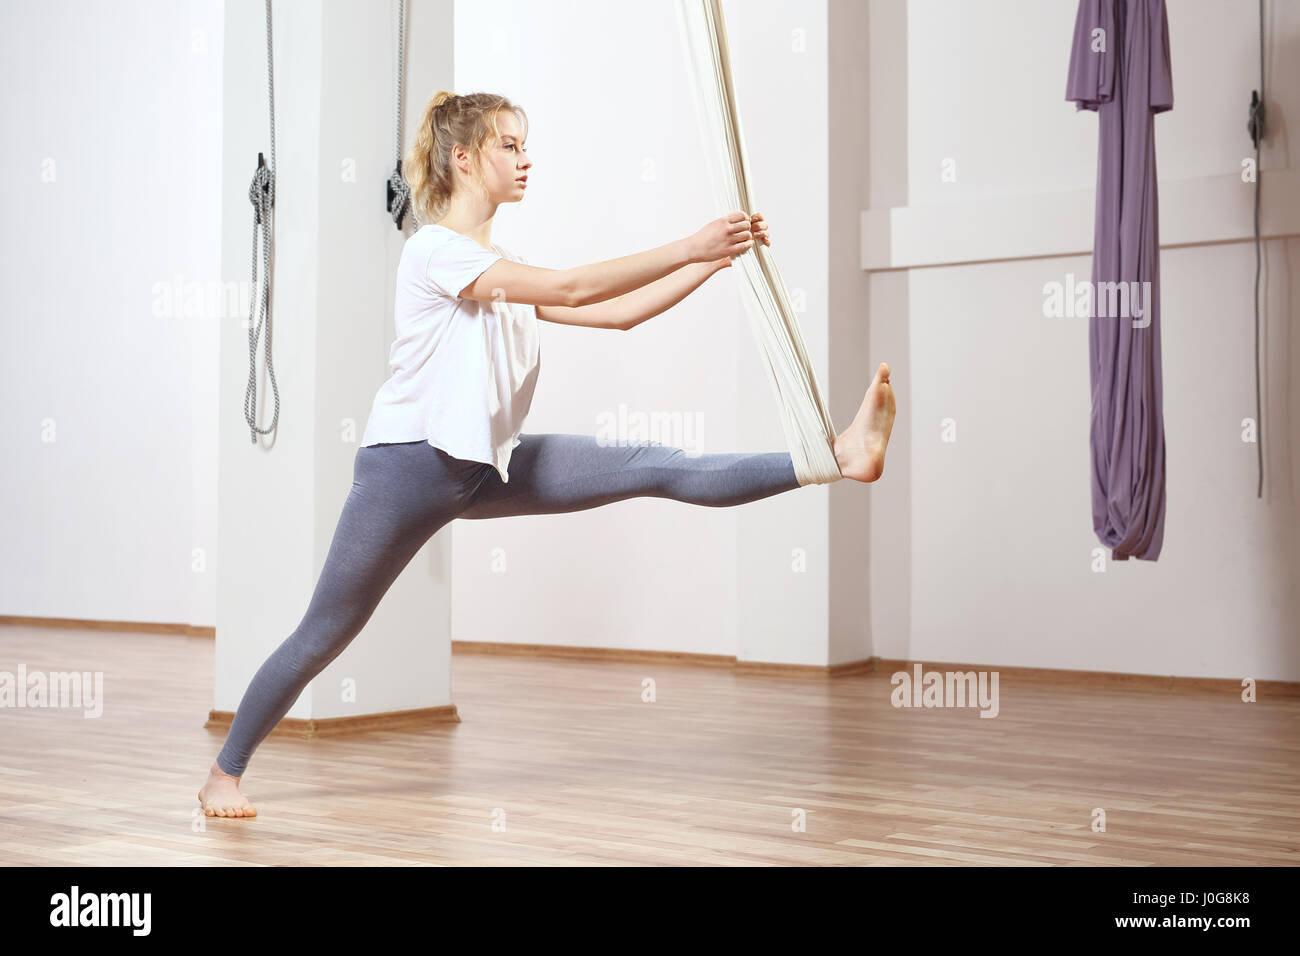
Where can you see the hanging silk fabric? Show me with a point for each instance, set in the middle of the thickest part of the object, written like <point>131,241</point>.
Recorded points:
<point>1120,68</point>
<point>804,415</point>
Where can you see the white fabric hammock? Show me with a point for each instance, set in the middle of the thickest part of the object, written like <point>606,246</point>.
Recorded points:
<point>804,416</point>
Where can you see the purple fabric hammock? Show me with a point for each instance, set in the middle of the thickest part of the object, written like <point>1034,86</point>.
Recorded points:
<point>1120,68</point>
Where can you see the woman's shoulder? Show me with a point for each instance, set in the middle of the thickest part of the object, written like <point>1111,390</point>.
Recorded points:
<point>430,241</point>
<point>430,235</point>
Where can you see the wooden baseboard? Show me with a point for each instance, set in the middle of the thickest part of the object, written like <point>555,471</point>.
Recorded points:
<point>1104,679</point>
<point>627,655</point>
<point>591,653</point>
<point>877,665</point>
<point>82,624</point>
<point>869,665</point>
<point>342,726</point>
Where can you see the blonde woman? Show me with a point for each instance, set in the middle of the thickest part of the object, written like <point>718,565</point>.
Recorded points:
<point>444,439</point>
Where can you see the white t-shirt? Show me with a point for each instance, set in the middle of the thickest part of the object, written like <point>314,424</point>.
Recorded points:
<point>462,372</point>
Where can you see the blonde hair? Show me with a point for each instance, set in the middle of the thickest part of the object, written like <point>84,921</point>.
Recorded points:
<point>448,119</point>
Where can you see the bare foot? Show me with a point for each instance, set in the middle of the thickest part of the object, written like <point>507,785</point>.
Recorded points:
<point>860,448</point>
<point>220,796</point>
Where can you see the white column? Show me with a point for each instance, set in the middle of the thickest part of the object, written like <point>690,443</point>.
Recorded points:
<point>891,498</point>
<point>783,568</point>
<point>335,254</point>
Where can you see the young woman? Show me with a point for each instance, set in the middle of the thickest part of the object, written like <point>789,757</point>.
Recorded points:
<point>444,437</point>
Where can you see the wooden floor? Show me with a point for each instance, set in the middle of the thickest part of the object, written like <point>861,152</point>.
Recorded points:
<point>581,771</point>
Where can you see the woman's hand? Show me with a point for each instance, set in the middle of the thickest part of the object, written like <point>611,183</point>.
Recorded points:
<point>758,228</point>
<point>728,236</point>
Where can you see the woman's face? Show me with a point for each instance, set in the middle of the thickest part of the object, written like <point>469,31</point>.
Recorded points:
<point>505,163</point>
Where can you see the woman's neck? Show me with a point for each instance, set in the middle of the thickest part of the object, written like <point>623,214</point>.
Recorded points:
<point>480,232</point>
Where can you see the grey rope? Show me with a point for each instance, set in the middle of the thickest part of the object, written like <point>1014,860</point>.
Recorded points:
<point>262,195</point>
<point>1256,134</point>
<point>397,193</point>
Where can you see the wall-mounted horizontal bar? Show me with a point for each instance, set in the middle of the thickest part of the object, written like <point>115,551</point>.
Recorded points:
<point>1201,211</point>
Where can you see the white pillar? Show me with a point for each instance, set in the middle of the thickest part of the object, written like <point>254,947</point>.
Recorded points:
<point>891,498</point>
<point>802,569</point>
<point>850,327</point>
<point>336,251</point>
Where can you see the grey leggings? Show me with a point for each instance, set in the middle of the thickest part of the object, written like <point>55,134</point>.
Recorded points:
<point>403,493</point>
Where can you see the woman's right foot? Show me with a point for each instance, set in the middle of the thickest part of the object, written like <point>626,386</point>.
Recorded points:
<point>860,448</point>
<point>220,796</point>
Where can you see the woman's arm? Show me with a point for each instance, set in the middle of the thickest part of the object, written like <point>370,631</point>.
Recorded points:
<point>584,285</point>
<point>629,310</point>
<point>632,308</point>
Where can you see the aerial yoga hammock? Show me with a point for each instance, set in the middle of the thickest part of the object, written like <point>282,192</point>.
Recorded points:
<point>804,415</point>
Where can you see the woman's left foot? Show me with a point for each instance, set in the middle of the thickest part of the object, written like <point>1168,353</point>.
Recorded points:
<point>220,796</point>
<point>860,448</point>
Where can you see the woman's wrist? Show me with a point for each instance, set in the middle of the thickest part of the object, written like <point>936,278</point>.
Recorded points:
<point>687,252</point>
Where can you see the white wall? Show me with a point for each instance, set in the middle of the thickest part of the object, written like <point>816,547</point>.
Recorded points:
<point>1001,536</point>
<point>112,119</point>
<point>986,87</point>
